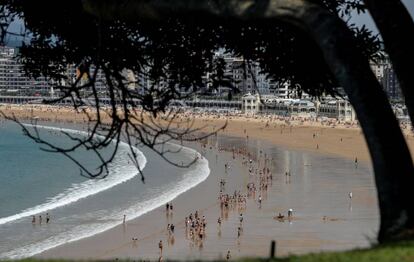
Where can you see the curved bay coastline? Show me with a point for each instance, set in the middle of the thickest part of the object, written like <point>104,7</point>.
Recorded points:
<point>95,217</point>
<point>319,188</point>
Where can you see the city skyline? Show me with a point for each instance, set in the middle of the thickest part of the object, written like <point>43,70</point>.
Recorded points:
<point>146,105</point>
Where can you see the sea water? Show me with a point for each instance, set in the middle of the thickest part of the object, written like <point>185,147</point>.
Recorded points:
<point>35,182</point>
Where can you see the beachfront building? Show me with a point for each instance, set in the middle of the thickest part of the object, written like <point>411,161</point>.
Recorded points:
<point>280,90</point>
<point>214,105</point>
<point>391,84</point>
<point>246,76</point>
<point>289,107</point>
<point>14,81</point>
<point>339,109</point>
<point>270,104</point>
<point>303,108</point>
<point>251,103</point>
<point>385,74</point>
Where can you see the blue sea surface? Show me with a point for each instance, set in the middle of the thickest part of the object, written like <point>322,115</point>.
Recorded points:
<point>35,182</point>
<point>29,175</point>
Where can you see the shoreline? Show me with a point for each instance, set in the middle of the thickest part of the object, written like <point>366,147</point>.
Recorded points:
<point>185,184</point>
<point>255,241</point>
<point>104,245</point>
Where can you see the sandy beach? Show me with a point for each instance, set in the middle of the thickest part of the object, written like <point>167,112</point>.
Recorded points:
<point>320,161</point>
<point>312,194</point>
<point>330,139</point>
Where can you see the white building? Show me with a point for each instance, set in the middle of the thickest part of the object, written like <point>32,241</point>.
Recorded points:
<point>280,90</point>
<point>303,108</point>
<point>250,103</point>
<point>13,78</point>
<point>334,108</point>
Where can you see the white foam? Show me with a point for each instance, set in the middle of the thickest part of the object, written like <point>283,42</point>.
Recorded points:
<point>121,172</point>
<point>170,191</point>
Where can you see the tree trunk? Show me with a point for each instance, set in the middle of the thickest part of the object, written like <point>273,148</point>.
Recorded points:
<point>393,171</point>
<point>397,30</point>
<point>391,159</point>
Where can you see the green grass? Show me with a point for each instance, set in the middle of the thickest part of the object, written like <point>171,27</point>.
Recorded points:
<point>399,252</point>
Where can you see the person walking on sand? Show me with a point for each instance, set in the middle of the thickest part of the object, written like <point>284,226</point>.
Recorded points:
<point>290,212</point>
<point>350,195</point>
<point>40,219</point>
<point>356,162</point>
<point>160,246</point>
<point>47,218</point>
<point>124,219</point>
<point>33,219</point>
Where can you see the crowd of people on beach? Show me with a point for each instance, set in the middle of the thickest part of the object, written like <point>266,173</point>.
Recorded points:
<point>257,164</point>
<point>195,228</point>
<point>259,167</point>
<point>68,114</point>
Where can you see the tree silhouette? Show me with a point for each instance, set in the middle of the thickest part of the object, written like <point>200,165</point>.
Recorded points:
<point>396,27</point>
<point>172,43</point>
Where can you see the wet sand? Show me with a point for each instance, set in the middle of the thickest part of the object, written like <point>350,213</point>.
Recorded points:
<point>321,161</point>
<point>318,187</point>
